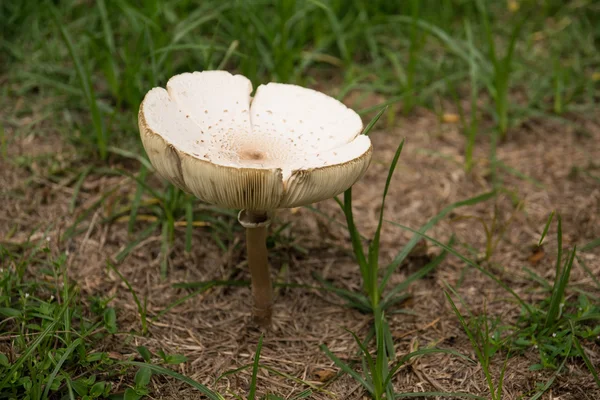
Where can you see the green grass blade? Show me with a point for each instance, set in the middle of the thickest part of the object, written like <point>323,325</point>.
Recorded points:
<point>500,384</point>
<point>230,51</point>
<point>355,300</point>
<point>591,245</point>
<point>306,393</point>
<point>432,222</point>
<point>471,263</point>
<point>141,310</point>
<point>480,350</point>
<point>141,237</point>
<point>77,188</point>
<point>137,198</point>
<point>70,389</point>
<point>473,126</point>
<point>374,246</point>
<point>189,227</point>
<point>584,356</point>
<point>559,240</point>
<point>337,30</point>
<point>33,346</point>
<point>366,355</point>
<point>521,175</point>
<point>488,32</point>
<point>252,393</point>
<point>545,232</point>
<point>59,364</point>
<point>164,371</point>
<point>85,81</point>
<point>232,372</point>
<point>558,290</point>
<point>381,359</point>
<point>447,39</point>
<point>543,282</point>
<point>181,301</point>
<point>430,266</point>
<point>346,368</point>
<point>588,271</point>
<point>107,30</point>
<point>550,381</point>
<point>438,394</point>
<point>147,187</point>
<point>357,245</point>
<point>165,246</point>
<point>131,155</point>
<point>330,219</point>
<point>420,352</point>
<point>373,121</point>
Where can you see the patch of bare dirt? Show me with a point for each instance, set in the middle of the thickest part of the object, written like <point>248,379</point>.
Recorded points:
<point>214,330</point>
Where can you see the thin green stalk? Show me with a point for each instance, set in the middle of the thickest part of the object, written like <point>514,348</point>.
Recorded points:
<point>374,293</point>
<point>558,290</point>
<point>480,351</point>
<point>34,345</point>
<point>141,309</point>
<point>473,124</point>
<point>165,371</point>
<point>401,256</point>
<point>252,393</point>
<point>85,79</point>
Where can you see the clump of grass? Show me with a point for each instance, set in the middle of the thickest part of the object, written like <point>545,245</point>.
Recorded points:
<point>556,327</point>
<point>470,125</point>
<point>56,346</point>
<point>256,366</point>
<point>484,343</point>
<point>487,342</point>
<point>52,339</point>
<point>377,372</point>
<point>85,81</point>
<point>502,67</point>
<point>559,316</point>
<point>302,40</point>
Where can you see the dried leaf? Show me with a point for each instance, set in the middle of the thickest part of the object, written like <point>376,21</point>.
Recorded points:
<point>450,118</point>
<point>536,256</point>
<point>323,375</point>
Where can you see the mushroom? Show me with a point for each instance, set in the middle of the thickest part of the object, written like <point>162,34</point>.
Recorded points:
<point>287,147</point>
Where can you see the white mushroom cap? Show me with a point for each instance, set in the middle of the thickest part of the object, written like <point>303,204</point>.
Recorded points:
<point>288,146</point>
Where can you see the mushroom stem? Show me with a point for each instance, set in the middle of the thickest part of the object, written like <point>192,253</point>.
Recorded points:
<point>256,246</point>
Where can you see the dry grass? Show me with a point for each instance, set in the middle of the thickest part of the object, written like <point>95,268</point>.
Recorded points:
<point>214,330</point>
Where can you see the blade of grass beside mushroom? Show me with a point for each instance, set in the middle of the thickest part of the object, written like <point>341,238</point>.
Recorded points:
<point>287,147</point>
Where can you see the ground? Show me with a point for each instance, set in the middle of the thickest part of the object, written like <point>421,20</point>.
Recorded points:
<point>558,167</point>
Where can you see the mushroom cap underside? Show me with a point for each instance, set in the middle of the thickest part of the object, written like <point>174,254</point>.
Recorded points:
<point>287,147</point>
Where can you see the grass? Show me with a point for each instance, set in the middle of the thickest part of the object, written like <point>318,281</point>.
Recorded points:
<point>554,327</point>
<point>53,334</point>
<point>95,62</point>
<point>482,341</point>
<point>57,339</point>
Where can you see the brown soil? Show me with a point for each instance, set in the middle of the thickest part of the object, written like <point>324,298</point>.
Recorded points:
<point>214,329</point>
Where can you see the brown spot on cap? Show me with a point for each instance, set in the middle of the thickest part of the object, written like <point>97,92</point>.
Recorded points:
<point>252,155</point>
